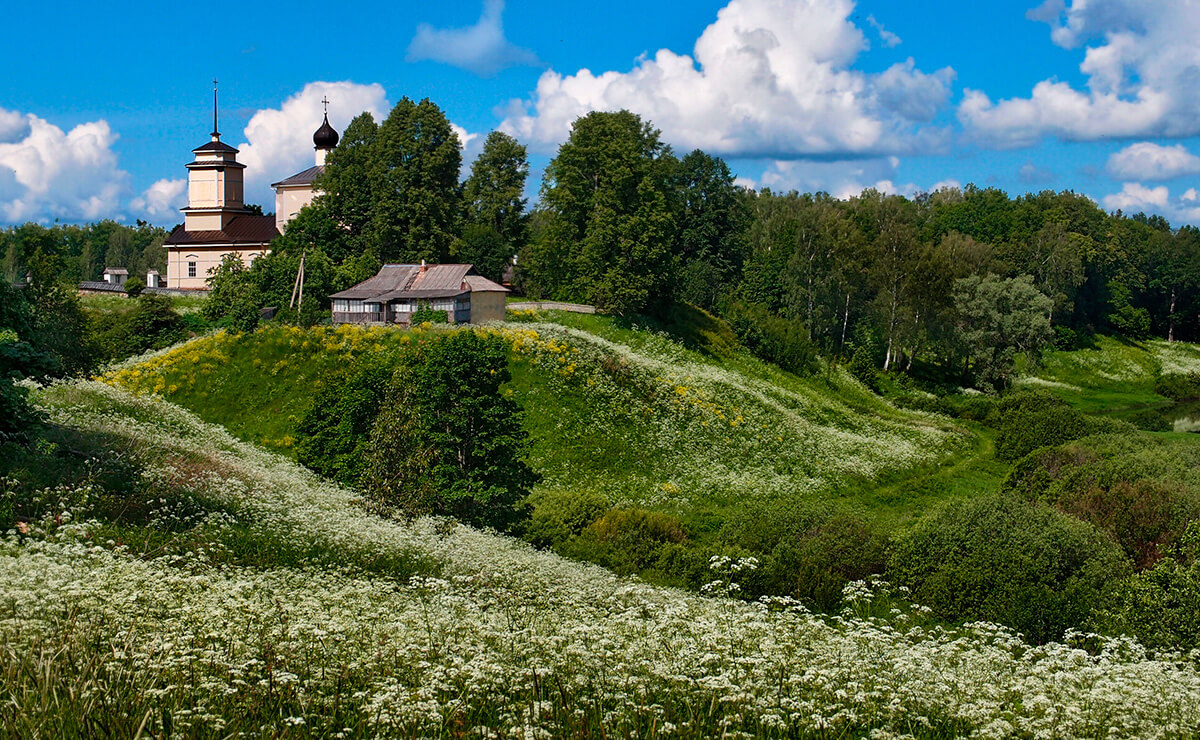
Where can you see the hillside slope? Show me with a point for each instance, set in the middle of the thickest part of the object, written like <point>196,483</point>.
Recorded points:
<point>628,414</point>
<point>385,629</point>
<point>1113,375</point>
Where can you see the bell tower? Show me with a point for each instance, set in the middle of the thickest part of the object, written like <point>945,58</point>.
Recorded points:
<point>215,183</point>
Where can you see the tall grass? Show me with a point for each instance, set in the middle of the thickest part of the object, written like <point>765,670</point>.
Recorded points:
<point>481,635</point>
<point>634,416</point>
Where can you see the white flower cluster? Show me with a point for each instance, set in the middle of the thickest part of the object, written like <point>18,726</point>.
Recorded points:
<point>494,638</point>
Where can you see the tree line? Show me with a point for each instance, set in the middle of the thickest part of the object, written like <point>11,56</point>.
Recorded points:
<point>961,278</point>
<point>75,253</point>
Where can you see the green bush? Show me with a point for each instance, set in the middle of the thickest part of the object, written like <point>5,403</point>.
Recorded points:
<point>807,550</point>
<point>427,315</point>
<point>1161,606</point>
<point>627,540</point>
<point>560,515</point>
<point>1029,420</point>
<point>920,402</point>
<point>699,284</point>
<point>772,338</point>
<point>862,368</point>
<point>1142,509</point>
<point>17,417</point>
<point>1004,560</point>
<point>447,441</point>
<point>244,313</point>
<point>333,438</point>
<point>1178,386</point>
<point>975,408</point>
<point>815,565</point>
<point>134,287</point>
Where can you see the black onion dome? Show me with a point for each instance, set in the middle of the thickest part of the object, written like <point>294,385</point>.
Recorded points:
<point>325,137</point>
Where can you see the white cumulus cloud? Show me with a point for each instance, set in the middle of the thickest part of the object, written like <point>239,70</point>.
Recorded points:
<point>279,140</point>
<point>1142,74</point>
<point>161,201</point>
<point>843,179</point>
<point>768,79</point>
<point>1137,198</point>
<point>1148,161</point>
<point>46,172</point>
<point>481,48</point>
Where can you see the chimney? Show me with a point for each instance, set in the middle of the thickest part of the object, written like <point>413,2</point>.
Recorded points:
<point>423,268</point>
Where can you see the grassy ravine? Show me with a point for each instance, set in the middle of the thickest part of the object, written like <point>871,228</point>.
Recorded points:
<point>1113,376</point>
<point>690,427</point>
<point>177,581</point>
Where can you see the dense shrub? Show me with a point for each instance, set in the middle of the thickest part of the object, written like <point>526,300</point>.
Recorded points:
<point>806,550</point>
<point>772,338</point>
<point>17,417</point>
<point>447,441</point>
<point>558,516</point>
<point>1005,560</point>
<point>815,565</point>
<point>1142,510</point>
<point>427,315</point>
<point>333,437</point>
<point>134,287</point>
<point>921,402</point>
<point>862,367</point>
<point>1178,386</point>
<point>975,408</point>
<point>17,359</point>
<point>1029,420</point>
<point>244,313</point>
<point>699,284</point>
<point>628,540</point>
<point>1161,606</point>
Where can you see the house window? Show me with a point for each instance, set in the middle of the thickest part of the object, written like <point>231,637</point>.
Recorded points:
<point>191,269</point>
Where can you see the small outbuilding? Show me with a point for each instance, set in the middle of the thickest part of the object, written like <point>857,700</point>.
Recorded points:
<point>116,275</point>
<point>398,291</point>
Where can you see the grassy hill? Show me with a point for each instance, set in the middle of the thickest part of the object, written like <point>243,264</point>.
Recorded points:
<point>1113,375</point>
<point>168,579</point>
<point>687,423</point>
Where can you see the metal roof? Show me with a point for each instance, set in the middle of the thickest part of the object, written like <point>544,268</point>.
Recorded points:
<point>241,230</point>
<point>305,177</point>
<point>396,282</point>
<point>215,146</point>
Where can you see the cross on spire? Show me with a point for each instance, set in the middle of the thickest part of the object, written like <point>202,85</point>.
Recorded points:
<point>215,132</point>
<point>325,101</point>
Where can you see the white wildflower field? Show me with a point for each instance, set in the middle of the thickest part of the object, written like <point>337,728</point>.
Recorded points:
<point>428,629</point>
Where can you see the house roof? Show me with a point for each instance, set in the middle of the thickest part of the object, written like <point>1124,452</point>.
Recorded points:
<point>306,177</point>
<point>115,271</point>
<point>215,146</point>
<point>241,230</point>
<point>478,283</point>
<point>395,282</point>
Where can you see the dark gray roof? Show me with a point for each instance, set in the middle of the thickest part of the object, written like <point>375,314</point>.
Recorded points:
<point>241,230</point>
<point>305,177</point>
<point>215,146</point>
<point>100,285</point>
<point>395,282</point>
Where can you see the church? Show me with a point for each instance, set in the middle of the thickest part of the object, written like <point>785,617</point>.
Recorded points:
<point>216,219</point>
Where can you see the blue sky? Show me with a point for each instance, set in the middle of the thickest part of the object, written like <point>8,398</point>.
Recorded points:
<point>103,103</point>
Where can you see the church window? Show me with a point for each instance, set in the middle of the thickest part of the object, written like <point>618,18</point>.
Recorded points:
<point>191,269</point>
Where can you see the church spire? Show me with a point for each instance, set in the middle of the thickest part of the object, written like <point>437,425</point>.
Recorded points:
<point>216,134</point>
